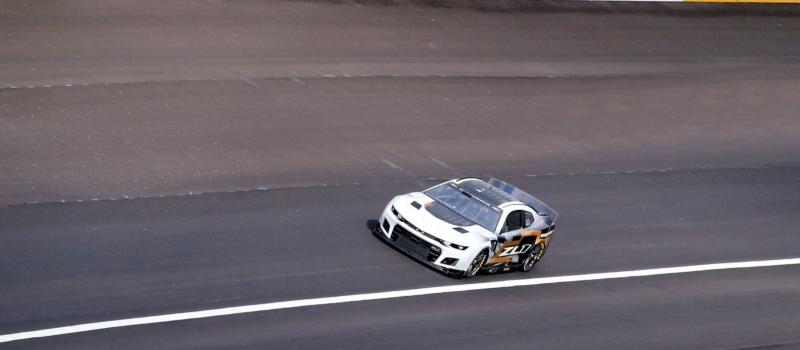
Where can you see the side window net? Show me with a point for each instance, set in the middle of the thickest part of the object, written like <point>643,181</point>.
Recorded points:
<point>514,221</point>
<point>528,219</point>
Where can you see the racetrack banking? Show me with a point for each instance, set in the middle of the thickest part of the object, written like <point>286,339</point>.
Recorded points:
<point>88,327</point>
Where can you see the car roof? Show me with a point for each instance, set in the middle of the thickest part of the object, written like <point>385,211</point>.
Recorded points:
<point>485,192</point>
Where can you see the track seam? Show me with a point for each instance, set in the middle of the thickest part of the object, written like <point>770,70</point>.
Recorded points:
<point>299,79</point>
<point>265,188</point>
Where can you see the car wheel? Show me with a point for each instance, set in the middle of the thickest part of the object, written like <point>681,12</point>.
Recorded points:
<point>476,264</point>
<point>533,257</point>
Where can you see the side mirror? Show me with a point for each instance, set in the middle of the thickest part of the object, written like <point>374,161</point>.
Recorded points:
<point>501,239</point>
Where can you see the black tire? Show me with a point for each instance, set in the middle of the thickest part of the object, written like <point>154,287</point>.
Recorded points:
<point>476,264</point>
<point>532,258</point>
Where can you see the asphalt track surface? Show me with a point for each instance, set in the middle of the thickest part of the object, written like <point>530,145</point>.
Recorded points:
<point>665,135</point>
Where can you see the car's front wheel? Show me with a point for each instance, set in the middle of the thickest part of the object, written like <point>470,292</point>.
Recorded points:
<point>476,264</point>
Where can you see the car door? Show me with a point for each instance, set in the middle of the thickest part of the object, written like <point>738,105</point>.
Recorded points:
<point>512,232</point>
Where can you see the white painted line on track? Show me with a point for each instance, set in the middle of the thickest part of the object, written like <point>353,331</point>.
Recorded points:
<point>250,82</point>
<point>441,163</point>
<point>88,327</point>
<point>392,165</point>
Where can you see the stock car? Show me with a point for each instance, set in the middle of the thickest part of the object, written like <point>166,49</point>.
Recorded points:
<point>465,226</point>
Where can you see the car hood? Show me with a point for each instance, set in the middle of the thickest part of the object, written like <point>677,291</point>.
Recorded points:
<point>414,208</point>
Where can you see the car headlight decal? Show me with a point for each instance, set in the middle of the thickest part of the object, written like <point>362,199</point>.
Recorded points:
<point>459,247</point>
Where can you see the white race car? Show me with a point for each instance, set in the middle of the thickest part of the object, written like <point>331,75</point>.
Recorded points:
<point>464,226</point>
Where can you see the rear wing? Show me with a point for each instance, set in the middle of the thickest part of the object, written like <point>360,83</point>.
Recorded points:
<point>543,209</point>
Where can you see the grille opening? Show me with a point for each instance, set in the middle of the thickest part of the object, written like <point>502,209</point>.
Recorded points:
<point>449,261</point>
<point>414,245</point>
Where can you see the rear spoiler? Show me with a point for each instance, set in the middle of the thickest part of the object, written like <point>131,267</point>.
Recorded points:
<point>543,209</point>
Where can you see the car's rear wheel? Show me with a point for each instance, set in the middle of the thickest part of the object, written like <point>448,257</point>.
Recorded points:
<point>476,264</point>
<point>533,257</point>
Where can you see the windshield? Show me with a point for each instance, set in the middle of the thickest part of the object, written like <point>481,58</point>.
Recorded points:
<point>449,195</point>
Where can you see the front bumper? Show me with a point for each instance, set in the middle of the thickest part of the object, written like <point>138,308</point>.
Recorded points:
<point>404,238</point>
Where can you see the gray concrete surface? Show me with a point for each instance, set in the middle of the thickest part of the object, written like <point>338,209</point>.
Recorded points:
<point>205,96</point>
<point>670,132</point>
<point>85,262</point>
